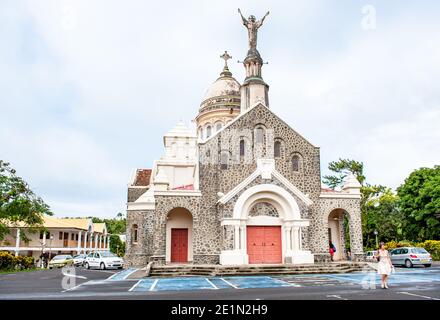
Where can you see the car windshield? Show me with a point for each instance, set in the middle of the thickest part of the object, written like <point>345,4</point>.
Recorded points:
<point>419,250</point>
<point>61,257</point>
<point>107,255</point>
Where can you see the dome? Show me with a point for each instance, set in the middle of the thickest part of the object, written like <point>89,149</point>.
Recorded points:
<point>223,86</point>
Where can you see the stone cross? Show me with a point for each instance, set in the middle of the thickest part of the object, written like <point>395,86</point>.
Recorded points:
<point>225,56</point>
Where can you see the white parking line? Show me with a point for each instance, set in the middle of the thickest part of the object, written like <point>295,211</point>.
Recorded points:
<point>215,287</point>
<point>233,286</point>
<point>73,276</point>
<point>73,288</point>
<point>130,273</point>
<point>153,285</point>
<point>136,284</point>
<point>418,295</point>
<point>336,296</point>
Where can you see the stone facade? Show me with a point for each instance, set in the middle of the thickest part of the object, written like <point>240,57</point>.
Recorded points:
<point>247,169</point>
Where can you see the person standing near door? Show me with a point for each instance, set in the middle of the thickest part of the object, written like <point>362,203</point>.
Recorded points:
<point>332,250</point>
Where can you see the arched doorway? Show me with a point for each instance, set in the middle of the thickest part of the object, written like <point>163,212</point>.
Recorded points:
<point>266,227</point>
<point>179,234</point>
<point>338,233</point>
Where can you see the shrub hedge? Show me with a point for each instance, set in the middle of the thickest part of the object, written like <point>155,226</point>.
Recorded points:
<point>11,262</point>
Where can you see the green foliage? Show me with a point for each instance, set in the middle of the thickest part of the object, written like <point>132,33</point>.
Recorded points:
<point>420,203</point>
<point>10,262</point>
<point>342,168</point>
<point>117,246</point>
<point>17,201</point>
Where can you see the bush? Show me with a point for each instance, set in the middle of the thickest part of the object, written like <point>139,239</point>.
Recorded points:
<point>433,247</point>
<point>10,262</point>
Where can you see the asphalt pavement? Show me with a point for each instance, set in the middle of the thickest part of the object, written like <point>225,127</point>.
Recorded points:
<point>79,283</point>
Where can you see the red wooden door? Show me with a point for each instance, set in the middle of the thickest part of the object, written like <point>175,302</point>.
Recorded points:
<point>179,245</point>
<point>264,244</point>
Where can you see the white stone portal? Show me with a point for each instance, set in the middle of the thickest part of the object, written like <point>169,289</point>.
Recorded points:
<point>289,219</point>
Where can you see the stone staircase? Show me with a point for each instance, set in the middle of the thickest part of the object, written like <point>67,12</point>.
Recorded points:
<point>247,270</point>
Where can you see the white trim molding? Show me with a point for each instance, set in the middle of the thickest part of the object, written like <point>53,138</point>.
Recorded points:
<point>265,168</point>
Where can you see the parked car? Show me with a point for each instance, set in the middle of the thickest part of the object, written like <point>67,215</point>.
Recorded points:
<point>370,255</point>
<point>103,260</point>
<point>410,256</point>
<point>61,260</point>
<point>79,259</point>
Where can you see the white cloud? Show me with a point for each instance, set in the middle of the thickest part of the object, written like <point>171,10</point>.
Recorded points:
<point>90,86</point>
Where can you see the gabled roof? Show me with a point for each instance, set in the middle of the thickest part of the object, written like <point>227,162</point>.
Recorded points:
<point>142,177</point>
<point>266,168</point>
<point>62,223</point>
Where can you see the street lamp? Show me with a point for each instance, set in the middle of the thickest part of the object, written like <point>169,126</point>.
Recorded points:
<point>375,233</point>
<point>50,249</point>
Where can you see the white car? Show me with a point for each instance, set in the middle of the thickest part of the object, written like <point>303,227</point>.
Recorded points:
<point>103,260</point>
<point>79,259</point>
<point>370,256</point>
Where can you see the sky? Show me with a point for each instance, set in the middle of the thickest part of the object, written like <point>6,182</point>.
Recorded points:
<point>88,87</point>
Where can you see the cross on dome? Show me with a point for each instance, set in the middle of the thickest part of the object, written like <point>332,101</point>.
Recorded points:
<point>225,56</point>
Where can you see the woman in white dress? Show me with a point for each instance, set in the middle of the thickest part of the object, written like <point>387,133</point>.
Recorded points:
<point>385,265</point>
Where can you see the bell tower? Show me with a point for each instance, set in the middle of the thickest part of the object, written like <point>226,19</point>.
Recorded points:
<point>253,90</point>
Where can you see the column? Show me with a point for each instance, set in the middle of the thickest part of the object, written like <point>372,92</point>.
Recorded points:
<point>79,242</point>
<point>237,237</point>
<point>295,240</point>
<point>300,238</point>
<point>105,243</point>
<point>289,238</point>
<point>17,242</point>
<point>96,241</point>
<point>85,241</point>
<point>90,242</point>
<point>242,237</point>
<point>100,241</point>
<point>108,243</point>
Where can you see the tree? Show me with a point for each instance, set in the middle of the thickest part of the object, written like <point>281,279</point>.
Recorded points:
<point>420,203</point>
<point>18,203</point>
<point>342,168</point>
<point>116,245</point>
<point>379,205</point>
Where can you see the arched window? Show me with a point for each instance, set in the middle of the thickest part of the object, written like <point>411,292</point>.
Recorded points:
<point>218,126</point>
<point>242,148</point>
<point>224,158</point>
<point>295,162</point>
<point>259,135</point>
<point>208,131</point>
<point>135,233</point>
<point>277,149</point>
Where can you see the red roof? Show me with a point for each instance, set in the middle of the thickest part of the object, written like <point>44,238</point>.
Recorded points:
<point>187,187</point>
<point>142,177</point>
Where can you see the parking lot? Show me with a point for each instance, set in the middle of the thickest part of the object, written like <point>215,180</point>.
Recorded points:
<point>414,283</point>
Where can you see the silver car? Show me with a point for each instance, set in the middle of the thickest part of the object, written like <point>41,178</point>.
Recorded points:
<point>410,256</point>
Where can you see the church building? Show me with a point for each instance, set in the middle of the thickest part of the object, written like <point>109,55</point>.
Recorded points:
<point>242,188</point>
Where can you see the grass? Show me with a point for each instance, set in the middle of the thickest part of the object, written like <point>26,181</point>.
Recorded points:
<point>17,271</point>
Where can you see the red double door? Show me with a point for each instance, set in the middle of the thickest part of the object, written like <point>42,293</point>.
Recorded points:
<point>179,245</point>
<point>264,244</point>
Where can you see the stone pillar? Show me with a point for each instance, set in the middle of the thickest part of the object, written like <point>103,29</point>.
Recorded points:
<point>78,250</point>
<point>288,238</point>
<point>44,238</point>
<point>105,243</point>
<point>108,243</point>
<point>242,237</point>
<point>236,238</point>
<point>100,241</point>
<point>90,242</point>
<point>300,238</point>
<point>295,238</point>
<point>17,242</point>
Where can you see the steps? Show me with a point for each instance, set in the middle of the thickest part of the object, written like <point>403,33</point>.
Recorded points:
<point>284,269</point>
